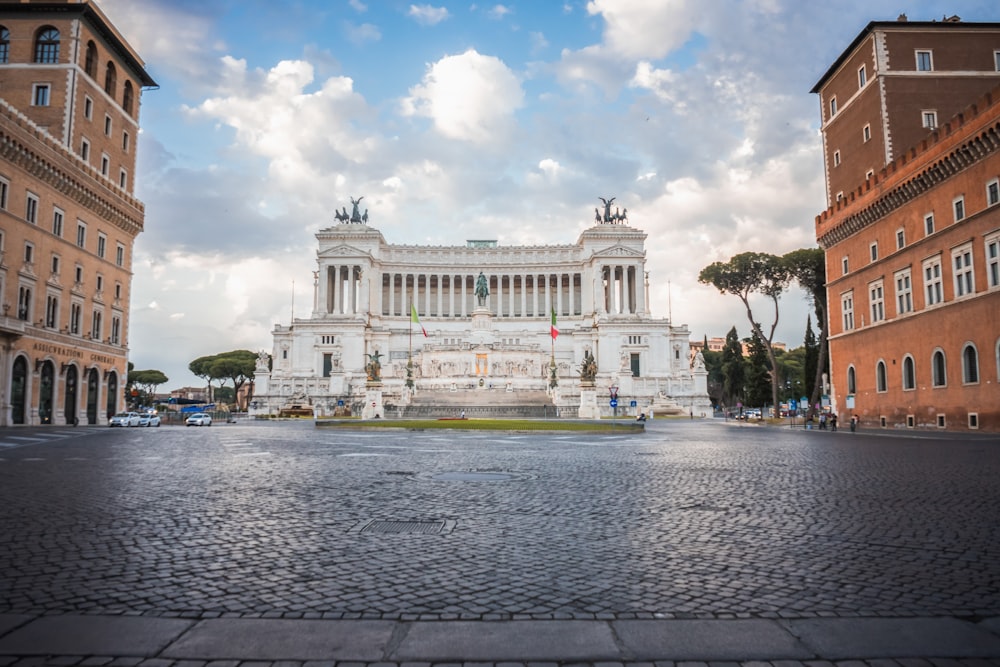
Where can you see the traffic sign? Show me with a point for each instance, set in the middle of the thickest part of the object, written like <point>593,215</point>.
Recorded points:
<point>614,402</point>
<point>632,404</point>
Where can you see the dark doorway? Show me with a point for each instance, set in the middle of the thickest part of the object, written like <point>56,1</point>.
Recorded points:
<point>635,364</point>
<point>18,390</point>
<point>69,405</point>
<point>92,387</point>
<point>46,392</point>
<point>112,394</point>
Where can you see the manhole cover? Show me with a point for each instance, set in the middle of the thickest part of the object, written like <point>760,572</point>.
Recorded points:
<point>398,527</point>
<point>473,477</point>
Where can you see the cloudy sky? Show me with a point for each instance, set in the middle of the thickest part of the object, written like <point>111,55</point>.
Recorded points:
<point>459,120</point>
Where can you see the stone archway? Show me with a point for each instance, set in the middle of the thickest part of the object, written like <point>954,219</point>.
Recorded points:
<point>19,391</point>
<point>70,402</point>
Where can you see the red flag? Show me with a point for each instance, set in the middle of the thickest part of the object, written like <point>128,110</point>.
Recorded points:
<point>416,320</point>
<point>555,329</point>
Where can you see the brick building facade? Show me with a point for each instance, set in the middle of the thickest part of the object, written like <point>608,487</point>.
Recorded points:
<point>70,87</point>
<point>912,232</point>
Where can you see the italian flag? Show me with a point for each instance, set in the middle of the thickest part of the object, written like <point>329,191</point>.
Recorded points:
<point>554,329</point>
<point>416,320</point>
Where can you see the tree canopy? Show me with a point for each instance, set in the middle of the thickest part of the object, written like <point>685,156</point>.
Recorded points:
<point>237,365</point>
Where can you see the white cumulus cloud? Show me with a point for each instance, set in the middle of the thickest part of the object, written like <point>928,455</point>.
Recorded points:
<point>427,14</point>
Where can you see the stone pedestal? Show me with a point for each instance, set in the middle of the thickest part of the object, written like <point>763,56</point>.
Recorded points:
<point>373,402</point>
<point>588,403</point>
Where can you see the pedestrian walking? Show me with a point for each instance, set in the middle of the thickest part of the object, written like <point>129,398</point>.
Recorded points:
<point>833,422</point>
<point>822,421</point>
<point>854,423</point>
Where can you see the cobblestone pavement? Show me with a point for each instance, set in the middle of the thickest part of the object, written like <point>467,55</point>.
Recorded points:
<point>689,520</point>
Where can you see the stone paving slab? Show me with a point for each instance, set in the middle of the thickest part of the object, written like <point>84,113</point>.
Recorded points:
<point>841,638</point>
<point>279,639</point>
<point>751,639</point>
<point>508,641</point>
<point>10,621</point>
<point>93,635</point>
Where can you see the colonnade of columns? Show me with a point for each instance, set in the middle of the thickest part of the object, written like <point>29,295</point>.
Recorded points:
<point>511,294</point>
<point>617,289</point>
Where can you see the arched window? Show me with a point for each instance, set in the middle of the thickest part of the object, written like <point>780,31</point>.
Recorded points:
<point>970,364</point>
<point>880,381</point>
<point>90,64</point>
<point>4,44</point>
<point>110,79</point>
<point>852,381</point>
<point>47,45</point>
<point>909,374</point>
<point>127,98</point>
<point>939,377</point>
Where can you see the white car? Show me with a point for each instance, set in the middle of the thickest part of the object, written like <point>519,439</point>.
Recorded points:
<point>124,419</point>
<point>149,419</point>
<point>199,419</point>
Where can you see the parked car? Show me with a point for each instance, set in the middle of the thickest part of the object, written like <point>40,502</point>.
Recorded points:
<point>199,419</point>
<point>124,419</point>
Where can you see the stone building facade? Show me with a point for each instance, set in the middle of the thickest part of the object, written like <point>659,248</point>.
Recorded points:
<point>70,87</point>
<point>374,297</point>
<point>912,235</point>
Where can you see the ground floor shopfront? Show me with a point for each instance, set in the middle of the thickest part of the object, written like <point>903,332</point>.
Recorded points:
<point>50,383</point>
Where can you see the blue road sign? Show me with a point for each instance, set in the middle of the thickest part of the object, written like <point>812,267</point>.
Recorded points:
<point>614,402</point>
<point>632,404</point>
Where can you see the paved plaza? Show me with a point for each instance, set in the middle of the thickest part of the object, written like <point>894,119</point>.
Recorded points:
<point>696,540</point>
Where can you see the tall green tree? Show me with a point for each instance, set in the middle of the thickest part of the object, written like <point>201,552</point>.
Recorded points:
<point>733,369</point>
<point>147,381</point>
<point>236,365</point>
<point>713,364</point>
<point>759,373</point>
<point>812,357</point>
<point>807,266</point>
<point>747,274</point>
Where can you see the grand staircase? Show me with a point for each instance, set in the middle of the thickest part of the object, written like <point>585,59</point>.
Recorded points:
<point>480,403</point>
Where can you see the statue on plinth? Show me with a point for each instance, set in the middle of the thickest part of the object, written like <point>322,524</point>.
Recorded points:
<point>374,367</point>
<point>588,371</point>
<point>482,289</point>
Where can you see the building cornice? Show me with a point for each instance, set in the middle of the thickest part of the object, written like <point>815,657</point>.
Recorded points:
<point>953,148</point>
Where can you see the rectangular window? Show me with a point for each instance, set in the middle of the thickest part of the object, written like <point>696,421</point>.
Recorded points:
<point>847,309</point>
<point>125,141</point>
<point>843,266</point>
<point>24,303</point>
<point>75,315</point>
<point>862,76</point>
<point>107,125</point>
<point>57,222</point>
<point>993,192</point>
<point>833,107</point>
<point>932,281</point>
<point>55,264</point>
<point>961,259</point>
<point>102,245</point>
<point>873,251</point>
<point>31,209</point>
<point>870,174</point>
<point>85,150</point>
<point>900,239</point>
<point>116,326</point>
<point>866,133</point>
<point>95,326</point>
<point>51,312</point>
<point>928,119</point>
<point>4,188</point>
<point>100,284</point>
<point>925,61</point>
<point>88,108</point>
<point>120,255</point>
<point>122,179</point>
<point>904,292</point>
<point>876,300</point>
<point>959,207</point>
<point>29,253</point>
<point>993,260</point>
<point>929,224</point>
<point>105,165</point>
<point>118,291</point>
<point>40,95</point>
<point>836,158</point>
<point>78,275</point>
<point>81,234</point>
